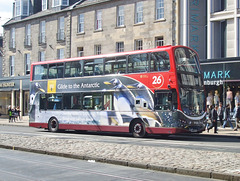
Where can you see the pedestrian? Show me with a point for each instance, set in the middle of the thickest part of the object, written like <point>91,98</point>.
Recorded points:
<point>214,116</point>
<point>18,113</point>
<point>209,116</point>
<point>237,99</point>
<point>9,114</point>
<point>14,114</point>
<point>220,113</point>
<point>216,98</point>
<point>237,117</point>
<point>227,116</point>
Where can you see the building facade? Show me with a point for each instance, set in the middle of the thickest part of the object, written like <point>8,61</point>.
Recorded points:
<point>223,26</point>
<point>193,25</point>
<point>49,29</point>
<point>220,69</point>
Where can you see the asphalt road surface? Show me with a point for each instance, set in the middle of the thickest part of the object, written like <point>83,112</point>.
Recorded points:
<point>24,166</point>
<point>194,142</point>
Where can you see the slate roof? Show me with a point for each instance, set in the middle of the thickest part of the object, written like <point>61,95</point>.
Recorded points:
<point>79,4</point>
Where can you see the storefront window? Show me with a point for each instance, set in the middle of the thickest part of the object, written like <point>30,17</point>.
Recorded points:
<point>5,101</point>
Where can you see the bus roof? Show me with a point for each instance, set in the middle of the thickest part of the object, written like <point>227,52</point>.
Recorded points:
<point>167,47</point>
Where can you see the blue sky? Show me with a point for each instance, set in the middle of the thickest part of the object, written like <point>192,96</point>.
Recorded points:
<point>5,12</point>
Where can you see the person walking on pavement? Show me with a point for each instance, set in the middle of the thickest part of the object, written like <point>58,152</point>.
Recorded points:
<point>9,114</point>
<point>237,117</point>
<point>18,113</point>
<point>214,119</point>
<point>220,112</point>
<point>209,116</point>
<point>227,116</point>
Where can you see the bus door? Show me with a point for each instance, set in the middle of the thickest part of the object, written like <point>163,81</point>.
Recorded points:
<point>165,103</point>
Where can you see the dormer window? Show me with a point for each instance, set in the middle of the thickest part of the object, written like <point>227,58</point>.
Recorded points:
<point>21,8</point>
<point>44,5</point>
<point>56,3</point>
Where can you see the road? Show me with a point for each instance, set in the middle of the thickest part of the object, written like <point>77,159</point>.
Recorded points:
<point>24,166</point>
<point>192,142</point>
<point>210,156</point>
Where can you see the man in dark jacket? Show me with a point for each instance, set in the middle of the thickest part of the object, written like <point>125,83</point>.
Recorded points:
<point>220,112</point>
<point>214,116</point>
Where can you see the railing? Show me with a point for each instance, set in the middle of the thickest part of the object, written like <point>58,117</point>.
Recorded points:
<point>12,44</point>
<point>42,39</point>
<point>60,35</point>
<point>27,41</point>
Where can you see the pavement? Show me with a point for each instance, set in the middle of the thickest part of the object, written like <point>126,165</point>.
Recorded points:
<point>201,163</point>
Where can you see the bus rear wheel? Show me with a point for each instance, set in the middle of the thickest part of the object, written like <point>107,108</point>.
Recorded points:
<point>53,125</point>
<point>138,129</point>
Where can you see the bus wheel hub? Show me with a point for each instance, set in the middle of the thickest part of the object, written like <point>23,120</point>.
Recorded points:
<point>137,128</point>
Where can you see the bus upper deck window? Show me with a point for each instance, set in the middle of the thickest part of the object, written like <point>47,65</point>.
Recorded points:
<point>40,72</point>
<point>73,69</point>
<point>160,61</point>
<point>55,71</point>
<point>138,63</point>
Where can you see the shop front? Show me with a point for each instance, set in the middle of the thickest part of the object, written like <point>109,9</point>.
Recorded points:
<point>14,92</point>
<point>222,80</point>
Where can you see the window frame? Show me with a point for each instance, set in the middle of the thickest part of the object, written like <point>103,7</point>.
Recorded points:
<point>57,67</point>
<point>12,65</point>
<point>56,3</point>
<point>27,63</point>
<point>159,10</point>
<point>98,49</point>
<point>69,68</point>
<point>143,57</point>
<point>20,7</point>
<point>138,12</point>
<point>44,5</point>
<point>81,23</point>
<point>120,16</point>
<point>60,53</point>
<point>42,32</point>
<point>92,101</point>
<point>98,20</point>
<point>28,35</point>
<point>61,28</point>
<point>120,46</point>
<point>12,38</point>
<point>138,44</point>
<point>41,57</point>
<point>80,51</point>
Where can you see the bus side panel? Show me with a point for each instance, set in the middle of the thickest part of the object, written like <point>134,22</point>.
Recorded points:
<point>38,125</point>
<point>123,129</point>
<point>151,130</point>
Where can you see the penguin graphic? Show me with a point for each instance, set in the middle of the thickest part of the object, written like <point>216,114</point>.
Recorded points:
<point>142,92</point>
<point>35,89</point>
<point>123,101</point>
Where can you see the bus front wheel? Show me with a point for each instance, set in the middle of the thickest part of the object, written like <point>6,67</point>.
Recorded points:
<point>53,125</point>
<point>138,129</point>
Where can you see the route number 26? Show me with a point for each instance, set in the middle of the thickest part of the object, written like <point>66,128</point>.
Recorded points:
<point>158,80</point>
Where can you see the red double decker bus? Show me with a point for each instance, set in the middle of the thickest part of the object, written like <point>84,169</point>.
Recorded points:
<point>155,91</point>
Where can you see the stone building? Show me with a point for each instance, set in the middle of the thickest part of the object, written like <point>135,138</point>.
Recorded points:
<point>43,30</point>
<point>223,26</point>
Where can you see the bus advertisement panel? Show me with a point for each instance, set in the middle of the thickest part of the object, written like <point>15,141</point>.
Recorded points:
<point>157,91</point>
